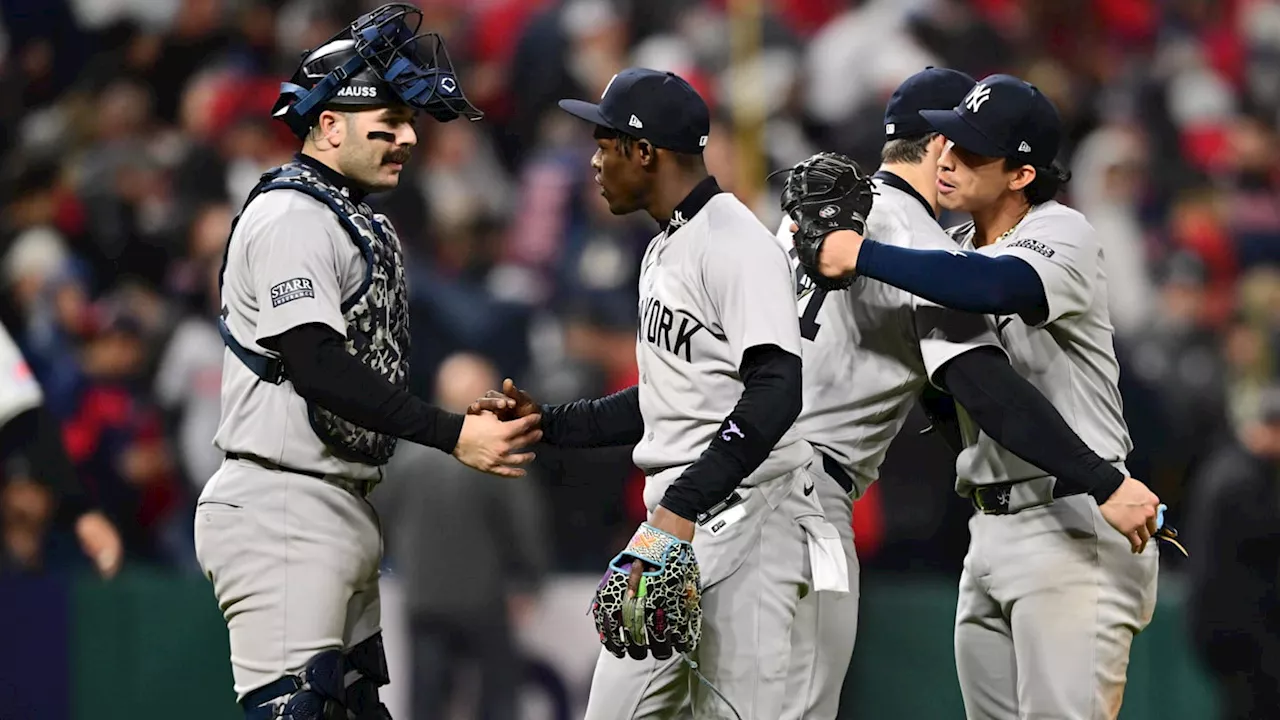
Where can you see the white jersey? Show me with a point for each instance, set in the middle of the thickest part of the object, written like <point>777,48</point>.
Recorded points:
<point>712,286</point>
<point>289,263</point>
<point>869,350</point>
<point>19,390</point>
<point>1069,356</point>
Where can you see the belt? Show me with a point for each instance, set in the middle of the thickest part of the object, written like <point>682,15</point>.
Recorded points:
<point>994,499</point>
<point>360,488</point>
<point>836,472</point>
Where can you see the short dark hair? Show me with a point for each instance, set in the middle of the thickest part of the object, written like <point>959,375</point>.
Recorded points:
<point>625,142</point>
<point>1048,182</point>
<point>909,150</point>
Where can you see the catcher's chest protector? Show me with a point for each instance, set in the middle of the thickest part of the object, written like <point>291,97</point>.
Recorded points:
<point>377,315</point>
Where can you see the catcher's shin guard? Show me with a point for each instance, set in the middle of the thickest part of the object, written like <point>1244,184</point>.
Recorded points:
<point>369,658</point>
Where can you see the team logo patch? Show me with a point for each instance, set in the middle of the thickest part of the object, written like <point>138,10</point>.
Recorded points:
<point>291,290</point>
<point>1035,246</point>
<point>828,211</point>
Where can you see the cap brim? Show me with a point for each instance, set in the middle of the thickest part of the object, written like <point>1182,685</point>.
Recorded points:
<point>959,131</point>
<point>586,111</point>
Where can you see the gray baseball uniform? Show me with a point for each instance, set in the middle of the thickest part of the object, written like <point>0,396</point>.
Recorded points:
<point>868,352</point>
<point>19,390</point>
<point>1051,596</point>
<point>293,558</point>
<point>712,286</point>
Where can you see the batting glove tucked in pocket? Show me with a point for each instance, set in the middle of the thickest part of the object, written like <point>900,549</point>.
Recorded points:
<point>648,600</point>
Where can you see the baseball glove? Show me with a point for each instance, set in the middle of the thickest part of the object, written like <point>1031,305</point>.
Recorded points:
<point>824,193</point>
<point>648,600</point>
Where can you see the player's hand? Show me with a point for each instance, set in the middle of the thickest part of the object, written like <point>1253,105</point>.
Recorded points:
<point>489,444</point>
<point>509,404</point>
<point>100,542</point>
<point>838,254</point>
<point>1132,510</point>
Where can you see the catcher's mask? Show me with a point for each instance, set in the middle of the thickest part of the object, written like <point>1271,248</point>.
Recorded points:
<point>374,62</point>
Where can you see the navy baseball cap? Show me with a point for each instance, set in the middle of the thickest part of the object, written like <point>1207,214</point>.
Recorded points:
<point>1004,117</point>
<point>660,107</point>
<point>930,89</point>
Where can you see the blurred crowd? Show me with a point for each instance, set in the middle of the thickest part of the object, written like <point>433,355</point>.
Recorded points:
<point>134,129</point>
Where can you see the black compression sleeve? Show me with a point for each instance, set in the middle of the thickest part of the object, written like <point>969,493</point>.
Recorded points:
<point>771,401</point>
<point>1016,415</point>
<point>944,421</point>
<point>35,436</point>
<point>316,361</point>
<point>605,422</point>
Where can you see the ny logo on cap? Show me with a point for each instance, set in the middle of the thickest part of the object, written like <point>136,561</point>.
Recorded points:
<point>976,97</point>
<point>609,85</point>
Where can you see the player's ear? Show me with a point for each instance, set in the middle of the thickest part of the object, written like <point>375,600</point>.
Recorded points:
<point>330,128</point>
<point>648,153</point>
<point>1021,177</point>
<point>934,147</point>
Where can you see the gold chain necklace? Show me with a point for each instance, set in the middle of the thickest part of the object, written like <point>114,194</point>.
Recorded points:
<point>1009,232</point>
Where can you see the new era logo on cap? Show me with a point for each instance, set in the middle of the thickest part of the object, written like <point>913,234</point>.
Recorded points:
<point>1023,147</point>
<point>635,122</point>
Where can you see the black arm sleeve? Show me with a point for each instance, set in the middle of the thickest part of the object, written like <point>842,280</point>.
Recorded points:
<point>944,421</point>
<point>34,435</point>
<point>1016,415</point>
<point>316,361</point>
<point>772,396</point>
<point>605,422</point>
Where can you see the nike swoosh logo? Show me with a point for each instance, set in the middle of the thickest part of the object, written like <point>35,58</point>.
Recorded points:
<point>808,490</point>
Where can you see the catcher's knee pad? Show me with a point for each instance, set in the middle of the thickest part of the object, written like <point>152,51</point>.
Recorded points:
<point>323,691</point>
<point>319,693</point>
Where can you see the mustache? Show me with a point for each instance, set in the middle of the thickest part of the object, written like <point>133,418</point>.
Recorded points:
<point>400,156</point>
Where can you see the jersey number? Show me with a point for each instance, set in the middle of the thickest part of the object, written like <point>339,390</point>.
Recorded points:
<point>809,320</point>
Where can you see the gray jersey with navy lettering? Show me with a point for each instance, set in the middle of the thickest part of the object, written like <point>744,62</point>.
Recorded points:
<point>869,350</point>
<point>710,288</point>
<point>289,263</point>
<point>1069,357</point>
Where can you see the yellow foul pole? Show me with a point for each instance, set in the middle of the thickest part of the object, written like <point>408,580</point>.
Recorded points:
<point>746,19</point>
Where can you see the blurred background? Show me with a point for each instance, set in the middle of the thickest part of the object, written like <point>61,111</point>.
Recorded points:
<point>132,130</point>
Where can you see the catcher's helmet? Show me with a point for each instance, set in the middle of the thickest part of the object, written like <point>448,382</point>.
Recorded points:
<point>374,62</point>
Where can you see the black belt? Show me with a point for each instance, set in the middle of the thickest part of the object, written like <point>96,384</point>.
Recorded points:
<point>836,472</point>
<point>994,499</point>
<point>359,487</point>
